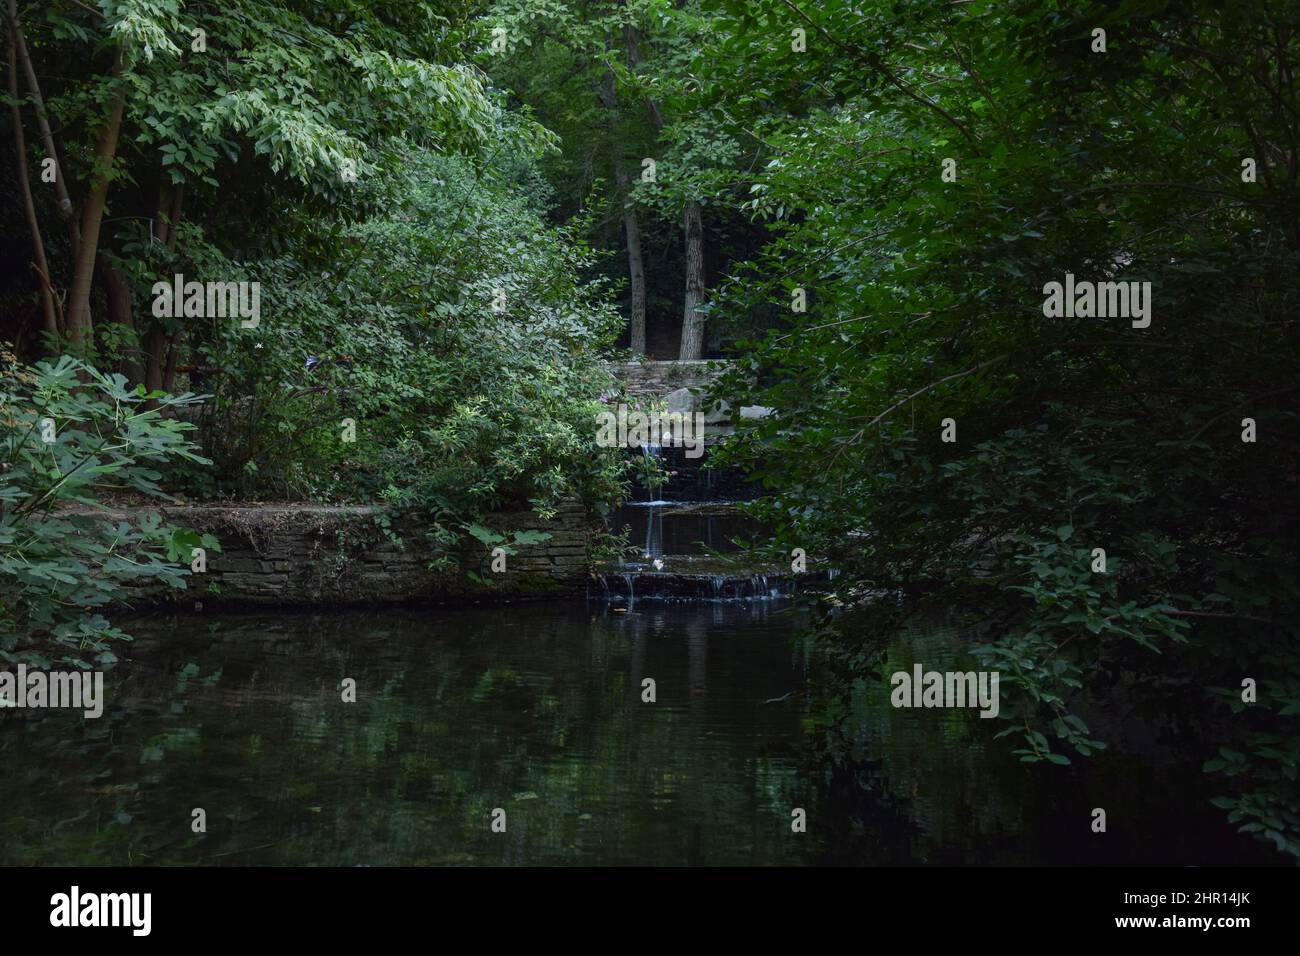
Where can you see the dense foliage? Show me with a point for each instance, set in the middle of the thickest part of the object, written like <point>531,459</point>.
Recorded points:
<point>65,443</point>
<point>424,338</point>
<point>925,304</point>
<point>450,330</point>
<point>442,206</point>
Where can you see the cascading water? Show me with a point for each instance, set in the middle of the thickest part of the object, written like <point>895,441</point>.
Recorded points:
<point>653,466</point>
<point>681,543</point>
<point>653,547</point>
<point>687,535</point>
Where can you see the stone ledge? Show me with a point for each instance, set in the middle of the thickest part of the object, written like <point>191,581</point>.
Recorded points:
<point>277,554</point>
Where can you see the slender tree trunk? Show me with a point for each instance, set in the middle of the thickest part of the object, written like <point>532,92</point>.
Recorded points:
<point>161,352</point>
<point>635,264</point>
<point>47,136</point>
<point>155,343</point>
<point>692,320</point>
<point>118,296</point>
<point>631,38</point>
<point>173,354</point>
<point>172,344</point>
<point>174,217</point>
<point>166,220</point>
<point>692,344</point>
<point>40,264</point>
<point>80,327</point>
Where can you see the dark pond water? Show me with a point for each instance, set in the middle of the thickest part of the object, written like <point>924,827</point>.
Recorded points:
<point>537,710</point>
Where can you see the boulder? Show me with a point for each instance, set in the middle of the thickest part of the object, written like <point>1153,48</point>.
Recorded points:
<point>681,401</point>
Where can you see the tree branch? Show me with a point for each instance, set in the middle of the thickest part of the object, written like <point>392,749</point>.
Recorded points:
<point>875,63</point>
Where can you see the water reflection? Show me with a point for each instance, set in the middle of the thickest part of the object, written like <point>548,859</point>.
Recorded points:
<point>533,709</point>
<point>538,710</point>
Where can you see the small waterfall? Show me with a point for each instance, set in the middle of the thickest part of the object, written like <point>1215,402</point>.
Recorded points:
<point>654,533</point>
<point>684,522</point>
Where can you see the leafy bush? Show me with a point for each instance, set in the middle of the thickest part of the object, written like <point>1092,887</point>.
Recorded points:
<point>69,436</point>
<point>452,331</point>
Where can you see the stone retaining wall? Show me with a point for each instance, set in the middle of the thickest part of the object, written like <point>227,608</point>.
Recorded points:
<point>672,382</point>
<point>308,555</point>
<point>657,379</point>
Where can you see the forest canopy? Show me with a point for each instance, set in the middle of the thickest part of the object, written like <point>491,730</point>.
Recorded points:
<point>1019,281</point>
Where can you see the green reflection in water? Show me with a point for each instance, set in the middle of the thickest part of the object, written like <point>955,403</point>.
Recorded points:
<point>534,709</point>
<point>934,786</point>
<point>537,709</point>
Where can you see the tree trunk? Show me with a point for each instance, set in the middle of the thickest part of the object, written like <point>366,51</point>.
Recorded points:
<point>47,136</point>
<point>174,217</point>
<point>632,42</point>
<point>92,217</point>
<point>630,37</point>
<point>635,265</point>
<point>118,296</point>
<point>155,344</point>
<point>693,320</point>
<point>169,346</point>
<point>173,354</point>
<point>40,264</point>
